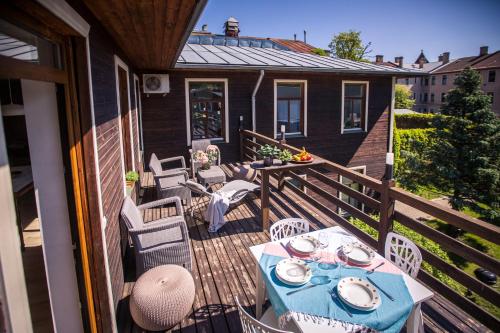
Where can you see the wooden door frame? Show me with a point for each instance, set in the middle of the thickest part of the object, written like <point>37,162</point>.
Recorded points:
<point>97,310</point>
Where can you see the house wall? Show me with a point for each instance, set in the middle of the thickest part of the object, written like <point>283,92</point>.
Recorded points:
<point>164,117</point>
<point>102,64</point>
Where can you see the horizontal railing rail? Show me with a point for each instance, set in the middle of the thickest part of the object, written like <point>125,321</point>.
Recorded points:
<point>322,190</point>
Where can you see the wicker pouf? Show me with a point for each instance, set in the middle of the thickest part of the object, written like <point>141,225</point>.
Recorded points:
<point>244,172</point>
<point>162,297</point>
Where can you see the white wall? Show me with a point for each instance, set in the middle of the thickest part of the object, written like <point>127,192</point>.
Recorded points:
<point>40,106</point>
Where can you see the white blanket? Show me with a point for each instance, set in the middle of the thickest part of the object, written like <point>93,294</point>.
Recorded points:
<point>217,207</point>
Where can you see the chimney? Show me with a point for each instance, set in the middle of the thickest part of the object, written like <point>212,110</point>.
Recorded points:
<point>204,28</point>
<point>440,58</point>
<point>305,36</point>
<point>399,61</point>
<point>232,27</point>
<point>483,50</point>
<point>379,59</point>
<point>446,57</point>
<point>294,37</point>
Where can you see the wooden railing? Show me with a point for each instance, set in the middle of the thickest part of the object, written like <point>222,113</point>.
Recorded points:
<point>379,198</point>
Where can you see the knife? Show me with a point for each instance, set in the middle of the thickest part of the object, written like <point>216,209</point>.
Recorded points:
<point>296,291</point>
<point>382,290</point>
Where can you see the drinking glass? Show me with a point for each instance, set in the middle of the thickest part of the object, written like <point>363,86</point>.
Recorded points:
<point>323,239</point>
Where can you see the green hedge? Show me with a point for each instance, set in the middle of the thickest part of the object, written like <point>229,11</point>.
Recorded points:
<point>414,120</point>
<point>409,148</point>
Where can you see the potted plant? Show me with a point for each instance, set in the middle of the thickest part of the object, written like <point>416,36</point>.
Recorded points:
<point>202,158</point>
<point>285,155</point>
<point>268,152</point>
<point>130,178</point>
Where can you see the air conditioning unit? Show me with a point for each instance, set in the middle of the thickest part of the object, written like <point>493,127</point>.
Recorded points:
<point>156,83</point>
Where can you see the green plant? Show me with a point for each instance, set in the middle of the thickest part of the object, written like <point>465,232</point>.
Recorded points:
<point>132,176</point>
<point>403,98</point>
<point>319,51</point>
<point>269,151</point>
<point>285,155</point>
<point>414,120</point>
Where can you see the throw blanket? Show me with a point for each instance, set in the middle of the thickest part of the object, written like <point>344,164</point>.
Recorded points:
<point>217,207</point>
<point>317,305</point>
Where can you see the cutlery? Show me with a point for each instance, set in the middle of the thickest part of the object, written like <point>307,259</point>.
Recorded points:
<point>374,268</point>
<point>336,297</point>
<point>382,290</point>
<point>296,291</point>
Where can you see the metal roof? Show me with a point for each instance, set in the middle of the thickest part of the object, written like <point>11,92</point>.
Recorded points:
<point>242,57</point>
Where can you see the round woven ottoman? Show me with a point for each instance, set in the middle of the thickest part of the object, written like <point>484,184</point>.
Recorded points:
<point>162,297</point>
<point>244,172</point>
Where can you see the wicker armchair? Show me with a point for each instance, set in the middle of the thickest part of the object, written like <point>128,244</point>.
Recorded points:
<point>167,180</point>
<point>160,242</point>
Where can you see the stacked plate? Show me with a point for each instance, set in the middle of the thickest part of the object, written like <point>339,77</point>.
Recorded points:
<point>293,272</point>
<point>304,245</point>
<point>358,254</point>
<point>358,293</point>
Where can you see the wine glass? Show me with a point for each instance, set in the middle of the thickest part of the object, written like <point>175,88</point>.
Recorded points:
<point>346,248</point>
<point>323,239</point>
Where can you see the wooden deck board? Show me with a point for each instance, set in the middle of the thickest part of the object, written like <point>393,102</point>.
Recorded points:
<point>224,269</point>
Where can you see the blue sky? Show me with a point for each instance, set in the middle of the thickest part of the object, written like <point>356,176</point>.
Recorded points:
<point>395,28</point>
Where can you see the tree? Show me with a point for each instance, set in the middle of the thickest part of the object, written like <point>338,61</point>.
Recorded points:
<point>319,51</point>
<point>403,97</point>
<point>348,45</point>
<point>466,154</point>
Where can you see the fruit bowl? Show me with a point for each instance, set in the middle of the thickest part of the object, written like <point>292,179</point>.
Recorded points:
<point>302,157</point>
<point>302,162</point>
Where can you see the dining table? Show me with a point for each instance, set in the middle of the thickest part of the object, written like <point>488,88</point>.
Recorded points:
<point>336,239</point>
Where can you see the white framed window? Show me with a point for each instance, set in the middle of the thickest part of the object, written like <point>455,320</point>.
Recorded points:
<point>290,106</point>
<point>207,109</point>
<point>355,186</point>
<point>354,115</point>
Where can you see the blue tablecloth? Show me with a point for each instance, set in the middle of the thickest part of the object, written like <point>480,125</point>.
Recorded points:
<point>317,303</point>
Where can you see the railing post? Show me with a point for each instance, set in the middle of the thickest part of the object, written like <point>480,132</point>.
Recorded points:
<point>386,204</point>
<point>242,140</point>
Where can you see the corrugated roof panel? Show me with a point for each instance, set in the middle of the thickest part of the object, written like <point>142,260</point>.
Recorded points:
<point>192,57</point>
<point>209,56</point>
<point>306,61</point>
<point>281,60</point>
<point>242,56</point>
<point>246,51</point>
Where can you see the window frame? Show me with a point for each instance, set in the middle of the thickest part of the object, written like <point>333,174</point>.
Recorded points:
<point>225,116</point>
<point>490,72</point>
<point>367,100</point>
<point>354,168</point>
<point>303,111</point>
<point>444,80</point>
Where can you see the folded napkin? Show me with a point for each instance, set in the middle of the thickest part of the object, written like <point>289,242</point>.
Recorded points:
<point>316,303</point>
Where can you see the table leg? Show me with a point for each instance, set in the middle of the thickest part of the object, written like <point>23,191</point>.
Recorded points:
<point>264,200</point>
<point>414,320</point>
<point>260,292</point>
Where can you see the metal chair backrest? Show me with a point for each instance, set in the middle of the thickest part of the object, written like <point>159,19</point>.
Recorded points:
<point>403,253</point>
<point>200,145</point>
<point>252,325</point>
<point>288,227</point>
<point>196,188</point>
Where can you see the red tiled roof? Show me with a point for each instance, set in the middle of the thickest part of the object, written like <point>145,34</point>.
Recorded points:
<point>294,45</point>
<point>493,61</point>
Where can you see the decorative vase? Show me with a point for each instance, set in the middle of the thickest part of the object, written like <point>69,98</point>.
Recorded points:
<point>268,161</point>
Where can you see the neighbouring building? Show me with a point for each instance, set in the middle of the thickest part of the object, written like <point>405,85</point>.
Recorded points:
<point>429,91</point>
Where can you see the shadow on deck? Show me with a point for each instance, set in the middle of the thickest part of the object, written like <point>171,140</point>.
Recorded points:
<point>223,267</point>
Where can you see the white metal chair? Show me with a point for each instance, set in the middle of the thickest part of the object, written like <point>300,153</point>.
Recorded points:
<point>288,227</point>
<point>403,253</point>
<point>267,324</point>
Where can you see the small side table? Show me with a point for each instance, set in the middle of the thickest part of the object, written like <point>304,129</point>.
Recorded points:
<point>212,176</point>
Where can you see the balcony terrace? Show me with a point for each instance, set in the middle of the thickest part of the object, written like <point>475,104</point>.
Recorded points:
<point>223,267</point>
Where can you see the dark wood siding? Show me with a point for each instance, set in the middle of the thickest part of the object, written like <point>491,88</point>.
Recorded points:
<point>164,117</point>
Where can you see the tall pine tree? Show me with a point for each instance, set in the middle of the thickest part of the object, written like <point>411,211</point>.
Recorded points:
<point>466,155</point>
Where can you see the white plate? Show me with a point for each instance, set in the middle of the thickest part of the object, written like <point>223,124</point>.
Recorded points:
<point>360,254</point>
<point>304,244</point>
<point>293,271</point>
<point>358,293</point>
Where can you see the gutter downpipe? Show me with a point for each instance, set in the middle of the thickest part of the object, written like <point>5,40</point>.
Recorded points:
<point>392,116</point>
<point>257,85</point>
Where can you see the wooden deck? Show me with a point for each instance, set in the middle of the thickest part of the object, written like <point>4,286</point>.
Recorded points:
<point>224,269</point>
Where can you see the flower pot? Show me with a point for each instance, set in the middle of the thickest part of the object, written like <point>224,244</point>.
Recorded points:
<point>130,187</point>
<point>205,166</point>
<point>284,162</point>
<point>268,161</point>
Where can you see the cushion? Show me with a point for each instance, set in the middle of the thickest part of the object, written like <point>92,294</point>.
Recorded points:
<point>131,214</point>
<point>162,297</point>
<point>195,186</point>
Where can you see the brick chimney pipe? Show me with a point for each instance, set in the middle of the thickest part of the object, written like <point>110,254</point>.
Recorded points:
<point>379,59</point>
<point>399,61</point>
<point>446,57</point>
<point>483,50</point>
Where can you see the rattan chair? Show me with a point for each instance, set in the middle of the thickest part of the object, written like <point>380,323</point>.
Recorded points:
<point>403,253</point>
<point>167,180</point>
<point>159,242</point>
<point>201,145</point>
<point>156,165</point>
<point>267,324</point>
<point>288,228</point>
